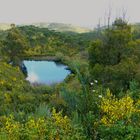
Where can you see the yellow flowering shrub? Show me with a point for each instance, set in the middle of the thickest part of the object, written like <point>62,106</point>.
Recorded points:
<point>60,121</point>
<point>10,128</point>
<point>10,77</point>
<point>7,98</point>
<point>114,109</point>
<point>54,127</point>
<point>36,128</point>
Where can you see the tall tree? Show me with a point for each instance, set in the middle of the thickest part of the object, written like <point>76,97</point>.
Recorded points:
<point>113,59</point>
<point>15,44</point>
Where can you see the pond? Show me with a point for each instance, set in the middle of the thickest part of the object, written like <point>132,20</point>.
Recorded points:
<point>45,72</point>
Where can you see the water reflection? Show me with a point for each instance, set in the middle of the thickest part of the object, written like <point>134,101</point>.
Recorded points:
<point>32,77</point>
<point>45,72</point>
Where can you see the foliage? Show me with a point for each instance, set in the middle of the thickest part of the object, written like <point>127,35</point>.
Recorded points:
<point>120,118</point>
<point>15,45</point>
<point>56,126</point>
<point>117,109</point>
<point>83,106</point>
<point>114,59</point>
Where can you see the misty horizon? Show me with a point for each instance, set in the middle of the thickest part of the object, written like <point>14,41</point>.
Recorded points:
<point>86,13</point>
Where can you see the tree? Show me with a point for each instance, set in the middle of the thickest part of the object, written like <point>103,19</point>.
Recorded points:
<point>114,59</point>
<point>15,44</point>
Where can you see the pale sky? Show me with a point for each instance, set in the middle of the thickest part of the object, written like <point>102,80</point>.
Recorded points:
<point>77,12</point>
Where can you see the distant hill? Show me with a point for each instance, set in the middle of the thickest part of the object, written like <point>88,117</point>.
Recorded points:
<point>5,26</point>
<point>61,27</point>
<point>136,26</point>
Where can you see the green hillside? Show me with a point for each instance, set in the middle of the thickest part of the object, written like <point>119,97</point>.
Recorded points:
<point>61,27</point>
<point>99,100</point>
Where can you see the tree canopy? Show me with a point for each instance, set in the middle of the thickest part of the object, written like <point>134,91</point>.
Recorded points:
<point>15,44</point>
<point>113,59</point>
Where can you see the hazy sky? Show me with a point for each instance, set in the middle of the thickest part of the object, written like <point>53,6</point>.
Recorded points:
<point>77,12</point>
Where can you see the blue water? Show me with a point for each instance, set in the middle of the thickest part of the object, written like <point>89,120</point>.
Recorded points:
<point>45,72</point>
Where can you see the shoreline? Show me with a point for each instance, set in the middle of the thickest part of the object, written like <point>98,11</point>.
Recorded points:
<point>51,58</point>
